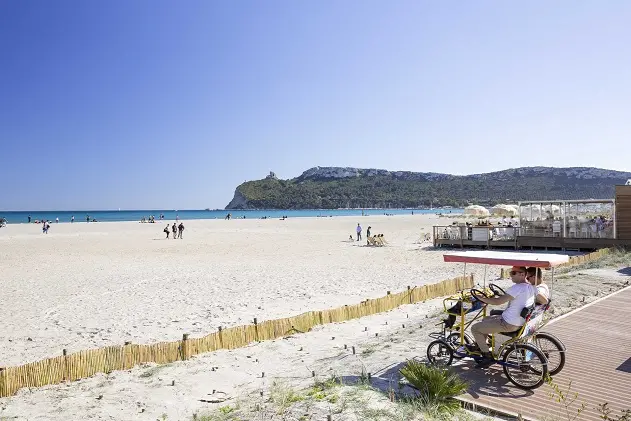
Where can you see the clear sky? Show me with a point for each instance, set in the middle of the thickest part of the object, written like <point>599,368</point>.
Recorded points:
<point>155,104</point>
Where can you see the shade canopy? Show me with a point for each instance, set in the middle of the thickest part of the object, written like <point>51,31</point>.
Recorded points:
<point>501,258</point>
<point>505,210</point>
<point>476,210</point>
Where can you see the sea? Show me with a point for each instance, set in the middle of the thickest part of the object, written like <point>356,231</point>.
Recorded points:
<point>18,217</point>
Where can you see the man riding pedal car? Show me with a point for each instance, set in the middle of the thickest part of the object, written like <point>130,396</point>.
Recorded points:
<point>519,296</point>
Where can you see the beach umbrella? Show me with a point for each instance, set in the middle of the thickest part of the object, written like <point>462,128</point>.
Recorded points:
<point>476,210</point>
<point>504,210</point>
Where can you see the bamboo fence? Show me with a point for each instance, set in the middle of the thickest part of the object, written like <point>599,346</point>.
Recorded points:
<point>83,364</point>
<point>574,260</point>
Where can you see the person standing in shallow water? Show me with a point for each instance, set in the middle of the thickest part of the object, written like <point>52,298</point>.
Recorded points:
<point>29,219</point>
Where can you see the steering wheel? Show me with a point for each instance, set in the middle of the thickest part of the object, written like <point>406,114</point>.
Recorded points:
<point>476,293</point>
<point>496,290</point>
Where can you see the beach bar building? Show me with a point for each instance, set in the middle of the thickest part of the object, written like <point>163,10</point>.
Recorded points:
<point>556,224</point>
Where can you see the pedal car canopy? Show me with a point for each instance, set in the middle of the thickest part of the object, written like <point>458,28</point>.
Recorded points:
<point>503,258</point>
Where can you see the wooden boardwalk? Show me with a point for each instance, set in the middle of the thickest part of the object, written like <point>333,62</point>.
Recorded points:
<point>598,341</point>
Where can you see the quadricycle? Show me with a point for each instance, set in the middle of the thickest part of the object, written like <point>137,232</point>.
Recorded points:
<point>527,355</point>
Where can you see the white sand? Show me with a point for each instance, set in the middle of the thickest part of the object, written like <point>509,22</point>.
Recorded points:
<point>148,393</point>
<point>91,285</point>
<point>84,286</point>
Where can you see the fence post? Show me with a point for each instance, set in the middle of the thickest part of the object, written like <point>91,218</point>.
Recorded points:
<point>3,383</point>
<point>410,294</point>
<point>66,376</point>
<point>184,347</point>
<point>220,338</point>
<point>256,330</point>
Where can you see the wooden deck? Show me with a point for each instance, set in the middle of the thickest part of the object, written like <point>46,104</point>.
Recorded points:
<point>528,242</point>
<point>598,341</point>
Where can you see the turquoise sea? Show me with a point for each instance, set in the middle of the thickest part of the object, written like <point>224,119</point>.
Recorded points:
<point>136,215</point>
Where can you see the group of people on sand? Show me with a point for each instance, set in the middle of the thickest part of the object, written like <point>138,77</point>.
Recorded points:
<point>177,230</point>
<point>371,240</point>
<point>527,291</point>
<point>152,219</point>
<point>45,221</point>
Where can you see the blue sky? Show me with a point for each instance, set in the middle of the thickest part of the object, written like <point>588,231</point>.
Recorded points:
<point>155,104</point>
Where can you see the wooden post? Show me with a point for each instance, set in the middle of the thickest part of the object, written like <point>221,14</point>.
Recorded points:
<point>410,294</point>
<point>220,338</point>
<point>184,347</point>
<point>256,330</point>
<point>3,383</point>
<point>66,376</point>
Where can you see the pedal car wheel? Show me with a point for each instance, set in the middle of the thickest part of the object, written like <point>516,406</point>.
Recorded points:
<point>552,348</point>
<point>440,352</point>
<point>525,366</point>
<point>454,340</point>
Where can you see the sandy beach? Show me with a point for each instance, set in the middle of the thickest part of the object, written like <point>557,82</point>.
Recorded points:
<point>90,285</point>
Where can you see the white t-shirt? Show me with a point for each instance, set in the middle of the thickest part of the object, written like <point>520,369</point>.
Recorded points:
<point>523,296</point>
<point>542,289</point>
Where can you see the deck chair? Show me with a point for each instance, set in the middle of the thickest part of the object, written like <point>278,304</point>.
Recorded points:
<point>382,239</point>
<point>370,241</point>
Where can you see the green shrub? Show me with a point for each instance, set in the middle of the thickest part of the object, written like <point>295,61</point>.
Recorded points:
<point>437,386</point>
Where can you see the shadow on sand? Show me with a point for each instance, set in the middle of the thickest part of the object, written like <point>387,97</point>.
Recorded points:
<point>482,382</point>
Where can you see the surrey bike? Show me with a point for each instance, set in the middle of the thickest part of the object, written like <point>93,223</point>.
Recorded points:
<point>528,355</point>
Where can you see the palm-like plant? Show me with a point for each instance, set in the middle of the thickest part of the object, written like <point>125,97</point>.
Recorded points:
<point>437,385</point>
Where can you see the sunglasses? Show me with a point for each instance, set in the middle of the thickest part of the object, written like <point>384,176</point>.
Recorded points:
<point>514,272</point>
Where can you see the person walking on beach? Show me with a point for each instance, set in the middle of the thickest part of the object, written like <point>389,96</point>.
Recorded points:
<point>359,232</point>
<point>180,230</point>
<point>29,219</point>
<point>166,230</point>
<point>72,219</point>
<point>174,229</point>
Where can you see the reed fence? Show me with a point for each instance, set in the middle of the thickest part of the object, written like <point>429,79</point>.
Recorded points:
<point>574,261</point>
<point>83,364</point>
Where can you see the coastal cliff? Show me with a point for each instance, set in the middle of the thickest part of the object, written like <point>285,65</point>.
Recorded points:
<point>346,187</point>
